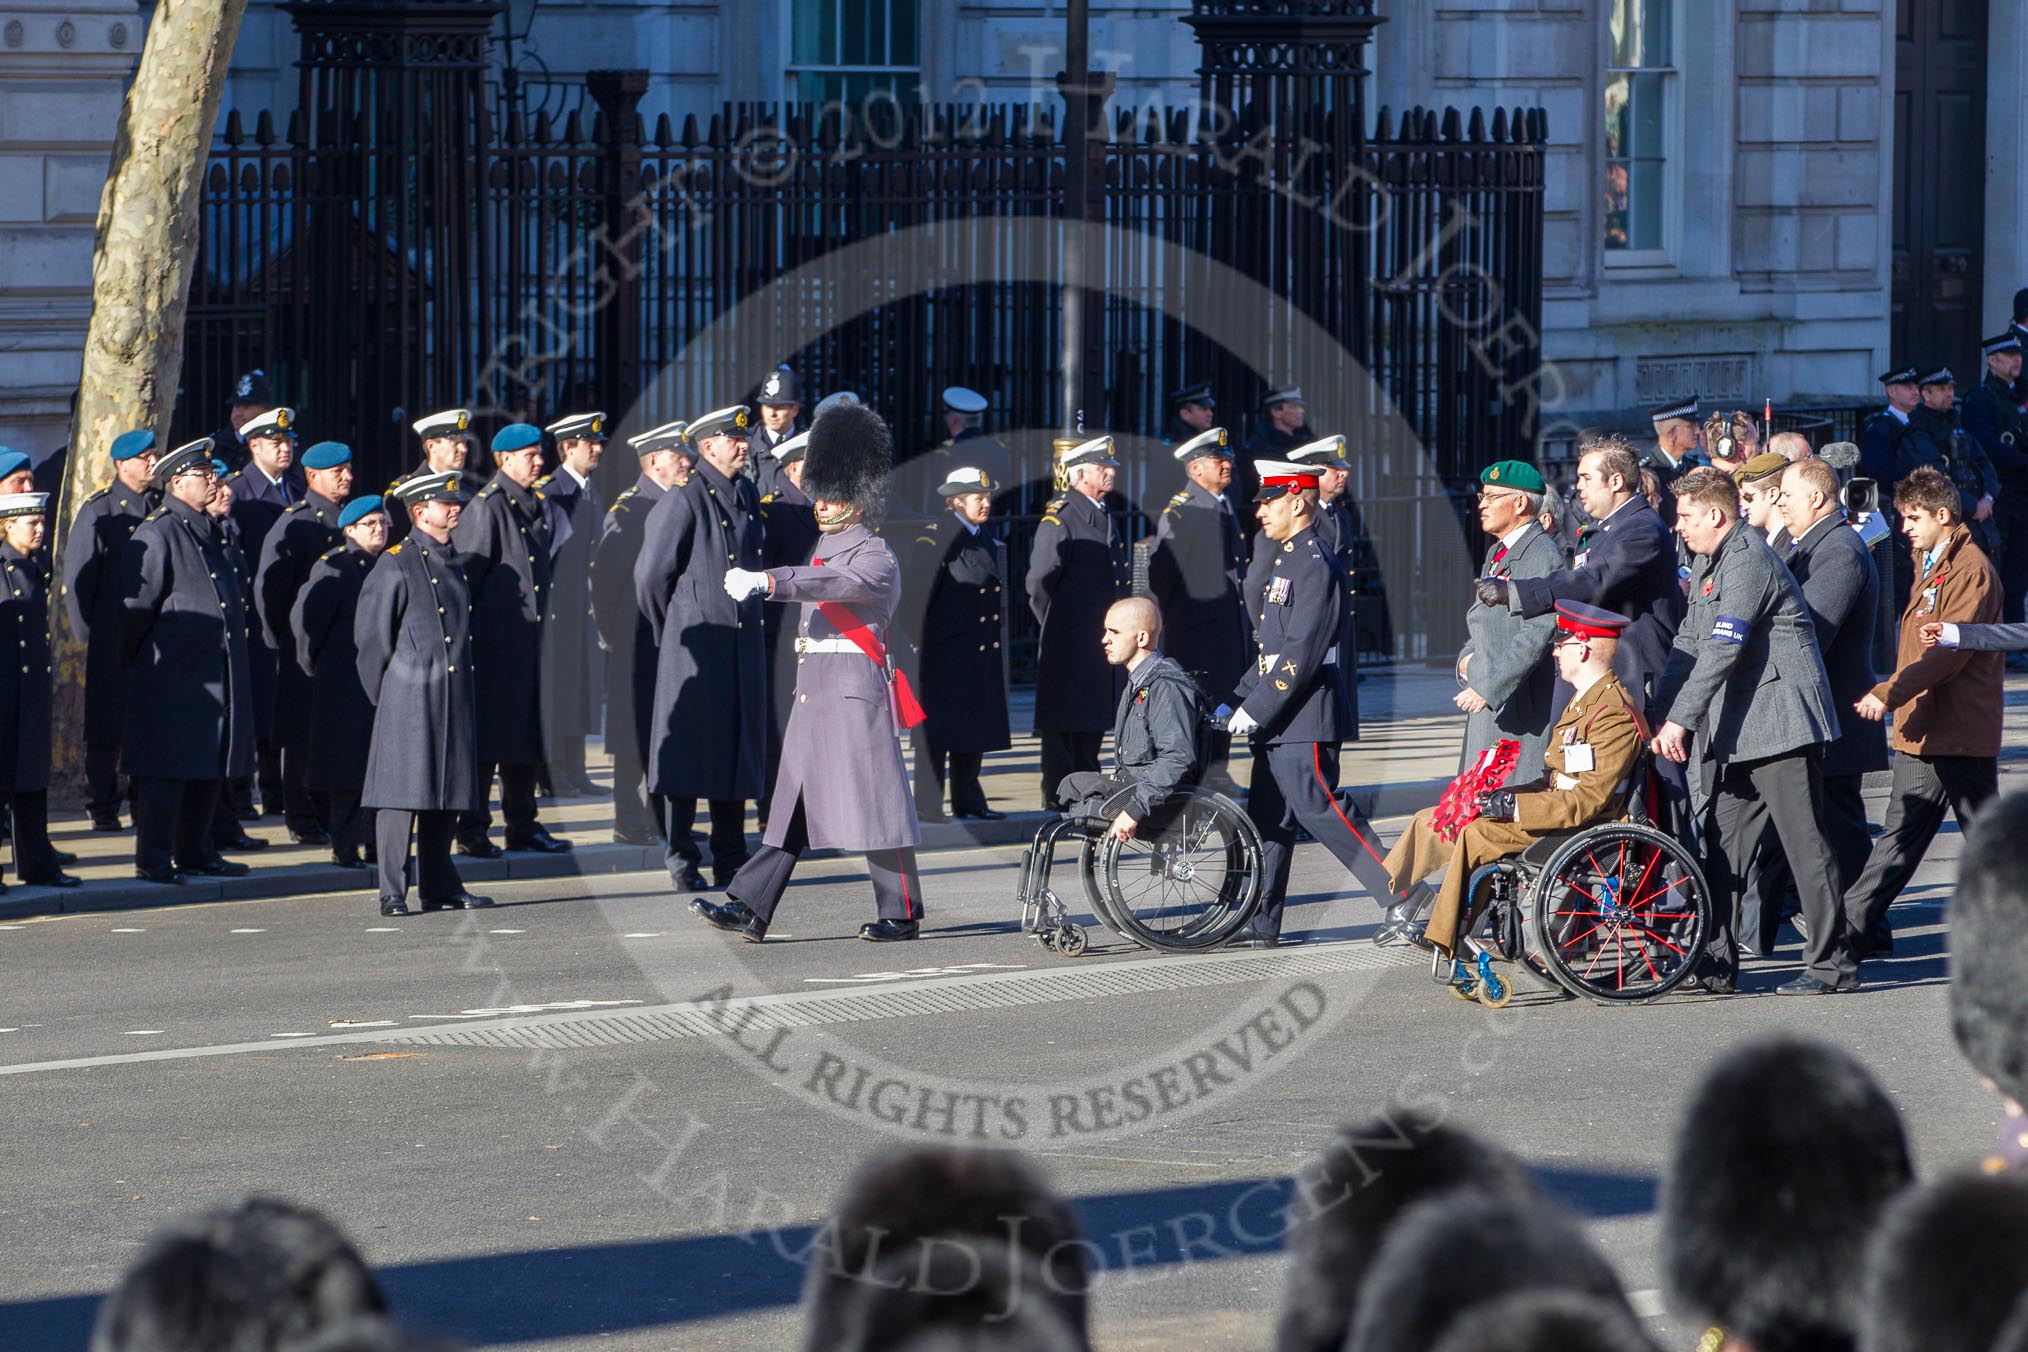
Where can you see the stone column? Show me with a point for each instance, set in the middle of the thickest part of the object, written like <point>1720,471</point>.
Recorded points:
<point>64,65</point>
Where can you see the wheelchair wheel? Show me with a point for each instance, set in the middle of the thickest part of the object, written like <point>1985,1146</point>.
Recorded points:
<point>1190,884</point>
<point>1619,914</point>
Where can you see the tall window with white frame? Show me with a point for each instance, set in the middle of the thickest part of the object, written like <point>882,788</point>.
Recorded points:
<point>854,49</point>
<point>1640,71</point>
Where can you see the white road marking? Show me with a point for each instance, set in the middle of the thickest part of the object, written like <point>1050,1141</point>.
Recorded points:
<point>249,931</point>
<point>383,929</point>
<point>128,931</point>
<point>8,927</point>
<point>142,1032</point>
<point>506,931</point>
<point>643,934</point>
<point>292,1035</point>
<point>9,1030</point>
<point>362,1023</point>
<point>962,969</point>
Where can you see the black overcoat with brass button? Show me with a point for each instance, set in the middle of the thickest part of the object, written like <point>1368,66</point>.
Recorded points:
<point>184,622</point>
<point>91,584</point>
<point>1077,569</point>
<point>413,633</point>
<point>504,536</point>
<point>707,734</point>
<point>338,715</point>
<point>306,529</point>
<point>954,606</point>
<point>24,672</point>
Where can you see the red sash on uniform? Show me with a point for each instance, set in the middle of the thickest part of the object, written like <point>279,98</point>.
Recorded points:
<point>845,622</point>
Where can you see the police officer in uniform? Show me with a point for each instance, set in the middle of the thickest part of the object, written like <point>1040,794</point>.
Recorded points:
<point>1992,416</point>
<point>504,536</point>
<point>340,717</point>
<point>447,440</point>
<point>252,395</point>
<point>570,672</point>
<point>1292,702</point>
<point>1936,424</point>
<point>1194,574</point>
<point>308,527</point>
<point>954,606</point>
<point>413,633</point>
<point>788,539</point>
<point>707,735</point>
<point>25,690</point>
<point>184,623</point>
<point>781,405</point>
<point>666,460</point>
<point>1076,568</point>
<point>1676,444</point>
<point>1192,411</point>
<point>91,576</point>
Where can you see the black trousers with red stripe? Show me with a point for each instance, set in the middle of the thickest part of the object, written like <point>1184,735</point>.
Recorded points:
<point>1295,786</point>
<point>761,880</point>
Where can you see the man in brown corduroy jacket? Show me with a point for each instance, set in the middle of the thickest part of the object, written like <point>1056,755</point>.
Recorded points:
<point>1946,701</point>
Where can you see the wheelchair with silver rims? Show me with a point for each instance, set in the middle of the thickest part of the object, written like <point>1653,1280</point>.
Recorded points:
<point>1615,912</point>
<point>1189,879</point>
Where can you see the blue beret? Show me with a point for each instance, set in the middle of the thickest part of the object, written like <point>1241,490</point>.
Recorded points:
<point>12,461</point>
<point>218,468</point>
<point>127,445</point>
<point>516,437</point>
<point>358,507</point>
<point>327,455</point>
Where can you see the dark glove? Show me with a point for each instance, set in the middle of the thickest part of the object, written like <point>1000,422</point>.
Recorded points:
<point>1493,591</point>
<point>1497,806</point>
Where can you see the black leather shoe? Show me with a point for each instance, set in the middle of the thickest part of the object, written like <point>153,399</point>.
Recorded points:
<point>539,841</point>
<point>1809,985</point>
<point>394,906</point>
<point>241,843</point>
<point>347,860</point>
<point>106,821</point>
<point>458,901</point>
<point>316,835</point>
<point>984,814</point>
<point>690,880</point>
<point>218,868</point>
<point>168,876</point>
<point>57,879</point>
<point>63,856</point>
<point>1712,984</point>
<point>478,847</point>
<point>733,918</point>
<point>889,931</point>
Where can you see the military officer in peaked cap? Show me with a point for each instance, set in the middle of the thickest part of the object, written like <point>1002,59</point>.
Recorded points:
<point>1961,457</point>
<point>504,536</point>
<point>252,395</point>
<point>1192,411</point>
<point>1194,574</point>
<point>91,578</point>
<point>184,621</point>
<point>966,443</point>
<point>1992,416</point>
<point>1291,702</point>
<point>1077,567</point>
<point>665,459</point>
<point>308,527</point>
<point>708,729</point>
<point>340,717</point>
<point>1284,425</point>
<point>447,440</point>
<point>227,833</point>
<point>1890,445</point>
<point>954,609</point>
<point>413,633</point>
<point>25,688</point>
<point>781,406</point>
<point>788,538</point>
<point>1506,681</point>
<point>571,679</point>
<point>842,783</point>
<point>1340,531</point>
<point>261,491</point>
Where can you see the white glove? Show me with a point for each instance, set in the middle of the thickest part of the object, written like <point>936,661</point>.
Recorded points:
<point>1241,723</point>
<point>741,583</point>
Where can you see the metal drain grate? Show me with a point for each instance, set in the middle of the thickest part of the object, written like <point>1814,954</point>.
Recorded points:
<point>943,995</point>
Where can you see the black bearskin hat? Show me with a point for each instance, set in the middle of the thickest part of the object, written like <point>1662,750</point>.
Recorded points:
<point>1565,1320</point>
<point>974,1294</point>
<point>1949,1261</point>
<point>1989,946</point>
<point>1350,1194</point>
<point>848,459</point>
<point>1782,1164</point>
<point>1452,1254</point>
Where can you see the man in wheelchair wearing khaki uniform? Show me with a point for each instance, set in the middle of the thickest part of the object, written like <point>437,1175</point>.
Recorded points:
<point>1590,755</point>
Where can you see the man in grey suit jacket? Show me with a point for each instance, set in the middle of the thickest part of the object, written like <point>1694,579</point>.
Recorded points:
<point>1507,684</point>
<point>1746,673</point>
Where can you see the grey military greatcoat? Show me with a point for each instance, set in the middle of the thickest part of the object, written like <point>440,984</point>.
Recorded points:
<point>184,627</point>
<point>91,584</point>
<point>1507,659</point>
<point>413,632</point>
<point>842,752</point>
<point>338,714</point>
<point>707,734</point>
<point>306,528</point>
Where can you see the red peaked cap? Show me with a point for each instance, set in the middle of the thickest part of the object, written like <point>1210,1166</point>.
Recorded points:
<point>1576,617</point>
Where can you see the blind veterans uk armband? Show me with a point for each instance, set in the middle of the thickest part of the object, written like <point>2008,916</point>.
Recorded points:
<point>1729,630</point>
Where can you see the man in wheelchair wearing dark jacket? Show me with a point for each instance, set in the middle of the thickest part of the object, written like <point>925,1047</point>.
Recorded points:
<point>1157,732</point>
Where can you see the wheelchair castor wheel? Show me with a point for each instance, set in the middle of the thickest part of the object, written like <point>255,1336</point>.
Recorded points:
<point>1071,941</point>
<point>1460,992</point>
<point>1047,938</point>
<point>1495,993</point>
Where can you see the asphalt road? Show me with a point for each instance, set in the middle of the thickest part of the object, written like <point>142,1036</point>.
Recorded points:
<point>584,1120</point>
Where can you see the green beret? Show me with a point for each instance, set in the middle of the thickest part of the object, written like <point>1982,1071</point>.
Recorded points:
<point>1518,475</point>
<point>1763,466</point>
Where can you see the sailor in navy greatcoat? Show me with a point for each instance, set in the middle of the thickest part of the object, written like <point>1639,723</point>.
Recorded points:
<point>91,573</point>
<point>447,442</point>
<point>708,730</point>
<point>571,677</point>
<point>340,716</point>
<point>629,643</point>
<point>1194,574</point>
<point>25,676</point>
<point>413,634</point>
<point>1292,702</point>
<point>261,492</point>
<point>189,696</point>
